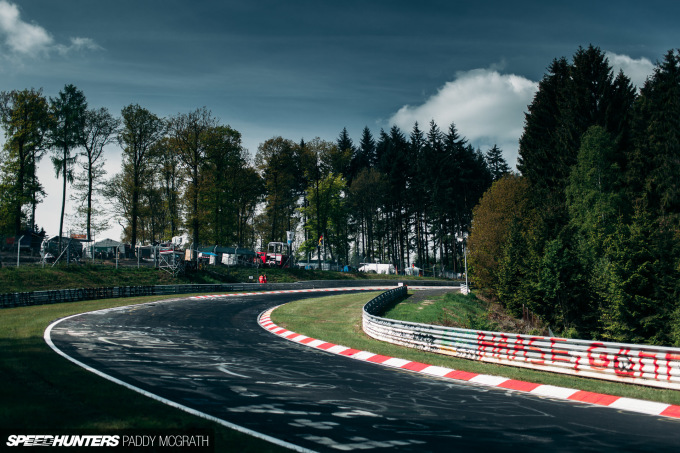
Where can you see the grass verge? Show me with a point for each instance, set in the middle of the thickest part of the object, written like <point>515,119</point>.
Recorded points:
<point>449,309</point>
<point>337,319</point>
<point>42,390</point>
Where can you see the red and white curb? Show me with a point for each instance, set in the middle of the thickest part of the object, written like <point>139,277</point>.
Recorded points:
<point>599,399</point>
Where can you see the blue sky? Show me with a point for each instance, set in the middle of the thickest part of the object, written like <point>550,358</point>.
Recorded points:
<point>302,69</point>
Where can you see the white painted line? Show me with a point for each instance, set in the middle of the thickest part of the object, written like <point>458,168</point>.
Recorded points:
<point>315,343</point>
<point>250,432</point>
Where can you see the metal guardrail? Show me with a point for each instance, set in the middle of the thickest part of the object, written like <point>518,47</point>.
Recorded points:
<point>10,300</point>
<point>630,363</point>
<point>380,303</point>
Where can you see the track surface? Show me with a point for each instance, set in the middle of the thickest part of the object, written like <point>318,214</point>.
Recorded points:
<point>212,356</point>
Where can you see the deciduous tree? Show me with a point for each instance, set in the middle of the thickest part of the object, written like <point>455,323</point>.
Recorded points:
<point>99,130</point>
<point>189,136</point>
<point>25,118</point>
<point>140,131</point>
<point>502,205</point>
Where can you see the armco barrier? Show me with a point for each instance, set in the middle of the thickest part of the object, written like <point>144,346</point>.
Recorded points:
<point>636,364</point>
<point>79,294</point>
<point>10,300</point>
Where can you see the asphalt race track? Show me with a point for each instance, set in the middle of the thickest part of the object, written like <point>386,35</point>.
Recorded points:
<point>213,357</point>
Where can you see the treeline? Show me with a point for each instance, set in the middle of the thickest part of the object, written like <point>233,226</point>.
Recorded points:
<point>588,236</point>
<point>188,171</point>
<point>396,199</point>
<point>393,198</point>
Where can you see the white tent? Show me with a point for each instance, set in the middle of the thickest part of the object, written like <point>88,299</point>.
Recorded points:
<point>106,247</point>
<point>378,268</point>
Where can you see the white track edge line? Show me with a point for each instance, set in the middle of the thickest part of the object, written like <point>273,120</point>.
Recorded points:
<point>189,410</point>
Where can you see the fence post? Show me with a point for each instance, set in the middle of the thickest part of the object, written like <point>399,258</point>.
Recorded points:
<point>19,249</point>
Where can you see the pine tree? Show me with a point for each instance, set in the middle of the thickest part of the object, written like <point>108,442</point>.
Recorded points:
<point>655,161</point>
<point>539,158</point>
<point>366,153</point>
<point>571,99</point>
<point>496,163</point>
<point>68,110</point>
<point>346,148</point>
<point>416,194</point>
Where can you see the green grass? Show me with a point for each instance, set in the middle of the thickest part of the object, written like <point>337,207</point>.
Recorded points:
<point>42,390</point>
<point>337,319</point>
<point>450,309</point>
<point>34,278</point>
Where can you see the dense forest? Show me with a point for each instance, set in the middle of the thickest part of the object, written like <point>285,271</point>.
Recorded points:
<point>588,237</point>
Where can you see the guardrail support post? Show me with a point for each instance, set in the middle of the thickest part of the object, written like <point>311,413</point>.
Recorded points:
<point>19,249</point>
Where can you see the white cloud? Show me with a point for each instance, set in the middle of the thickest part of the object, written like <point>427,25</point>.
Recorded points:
<point>32,40</point>
<point>486,106</point>
<point>637,70</point>
<point>84,44</point>
<point>22,37</point>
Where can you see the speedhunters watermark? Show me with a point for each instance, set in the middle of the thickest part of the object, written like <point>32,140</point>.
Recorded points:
<point>147,441</point>
<point>62,440</point>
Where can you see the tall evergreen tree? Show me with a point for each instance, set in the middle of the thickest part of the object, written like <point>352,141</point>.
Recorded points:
<point>416,193</point>
<point>655,160</point>
<point>366,153</point>
<point>68,110</point>
<point>496,163</point>
<point>435,177</point>
<point>366,200</point>
<point>570,99</point>
<point>540,159</point>
<point>347,151</point>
